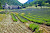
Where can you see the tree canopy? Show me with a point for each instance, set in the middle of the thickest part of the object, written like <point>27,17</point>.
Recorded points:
<point>38,3</point>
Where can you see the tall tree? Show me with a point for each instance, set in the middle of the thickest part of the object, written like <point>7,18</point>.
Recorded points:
<point>0,4</point>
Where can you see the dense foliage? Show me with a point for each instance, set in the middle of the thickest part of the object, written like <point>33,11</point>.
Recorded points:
<point>37,3</point>
<point>10,2</point>
<point>0,5</point>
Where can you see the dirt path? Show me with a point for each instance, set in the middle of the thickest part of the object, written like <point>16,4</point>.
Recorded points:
<point>13,28</point>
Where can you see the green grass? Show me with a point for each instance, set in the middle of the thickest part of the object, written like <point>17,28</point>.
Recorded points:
<point>13,17</point>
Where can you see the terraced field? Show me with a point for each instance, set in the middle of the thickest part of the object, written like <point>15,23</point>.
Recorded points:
<point>26,21</point>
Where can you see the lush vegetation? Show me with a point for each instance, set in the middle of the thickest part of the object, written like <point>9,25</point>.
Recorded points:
<point>0,5</point>
<point>37,3</point>
<point>13,17</point>
<point>10,2</point>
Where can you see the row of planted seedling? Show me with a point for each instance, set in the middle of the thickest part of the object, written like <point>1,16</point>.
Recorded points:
<point>37,20</point>
<point>21,18</point>
<point>31,19</point>
<point>35,28</point>
<point>13,17</point>
<point>32,26</point>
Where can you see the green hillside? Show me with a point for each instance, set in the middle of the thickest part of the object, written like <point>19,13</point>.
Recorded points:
<point>38,3</point>
<point>10,2</point>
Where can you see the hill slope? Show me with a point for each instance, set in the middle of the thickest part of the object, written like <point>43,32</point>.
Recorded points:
<point>29,1</point>
<point>10,2</point>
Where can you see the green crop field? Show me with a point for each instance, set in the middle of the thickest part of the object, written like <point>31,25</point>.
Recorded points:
<point>33,17</point>
<point>35,20</point>
<point>24,16</point>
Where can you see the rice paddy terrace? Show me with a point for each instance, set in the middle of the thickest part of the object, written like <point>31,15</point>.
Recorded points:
<point>25,21</point>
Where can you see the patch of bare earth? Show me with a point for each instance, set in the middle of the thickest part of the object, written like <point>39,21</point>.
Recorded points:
<point>13,27</point>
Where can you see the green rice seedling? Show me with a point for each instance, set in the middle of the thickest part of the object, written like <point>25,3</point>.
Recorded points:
<point>30,16</point>
<point>36,20</point>
<point>39,21</point>
<point>34,15</point>
<point>21,19</point>
<point>47,20</point>
<point>47,23</point>
<point>13,17</point>
<point>34,27</point>
<point>30,26</point>
<point>39,16</point>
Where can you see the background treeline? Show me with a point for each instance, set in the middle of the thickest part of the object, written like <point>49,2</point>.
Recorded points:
<point>0,5</point>
<point>28,3</point>
<point>37,3</point>
<point>9,2</point>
